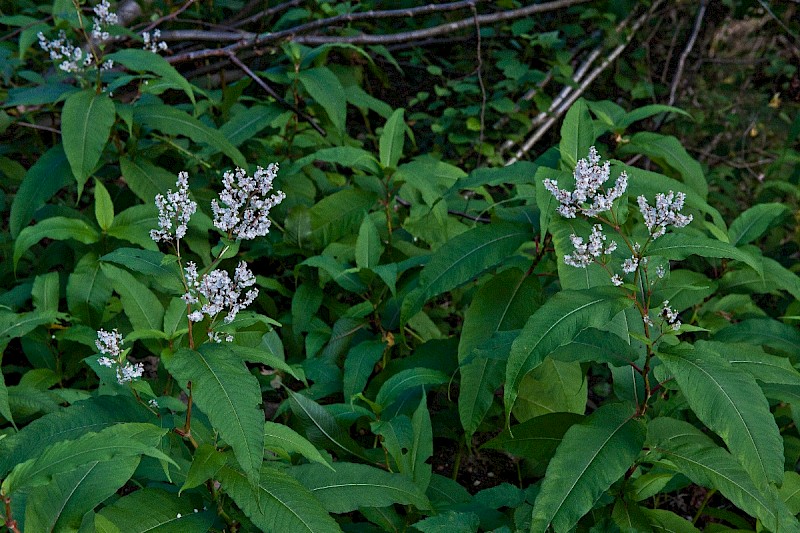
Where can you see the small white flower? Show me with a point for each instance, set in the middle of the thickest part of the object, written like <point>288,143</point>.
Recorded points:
<point>630,265</point>
<point>616,280</point>
<point>670,316</point>
<point>154,42</point>
<point>217,292</point>
<point>589,197</point>
<point>245,214</point>
<point>153,403</point>
<point>584,254</point>
<point>177,208</point>
<point>665,213</point>
<point>178,516</point>
<point>109,342</point>
<point>660,271</point>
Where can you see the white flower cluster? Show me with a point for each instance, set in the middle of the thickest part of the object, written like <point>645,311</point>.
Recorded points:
<point>589,197</point>
<point>104,18</point>
<point>665,213</point>
<point>246,211</point>
<point>153,42</point>
<point>109,343</point>
<point>586,253</point>
<point>175,209</point>
<point>72,58</point>
<point>217,292</point>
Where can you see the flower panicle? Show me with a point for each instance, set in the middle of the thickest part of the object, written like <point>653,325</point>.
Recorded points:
<point>109,344</point>
<point>174,209</point>
<point>244,205</point>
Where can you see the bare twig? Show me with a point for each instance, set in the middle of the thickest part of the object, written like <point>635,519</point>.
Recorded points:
<point>474,218</point>
<point>246,39</point>
<point>698,23</point>
<point>261,83</point>
<point>170,16</point>
<point>562,108</point>
<point>269,12</point>
<point>38,127</point>
<point>479,72</point>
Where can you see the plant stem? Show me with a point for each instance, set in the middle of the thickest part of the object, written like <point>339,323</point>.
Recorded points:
<point>10,523</point>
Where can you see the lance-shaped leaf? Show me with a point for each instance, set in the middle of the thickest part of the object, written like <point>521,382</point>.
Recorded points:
<point>173,121</point>
<point>577,134</point>
<point>391,141</point>
<point>668,151</point>
<point>535,439</point>
<point>697,457</point>
<point>678,246</point>
<point>591,456</point>
<point>321,427</point>
<point>729,401</point>
<point>118,441</point>
<point>751,224</point>
<point>558,322</point>
<point>463,258</point>
<point>166,512</point>
<point>229,395</point>
<point>408,379</point>
<point>85,125</point>
<point>758,331</point>
<point>140,304</point>
<point>280,438</point>
<point>354,485</point>
<point>278,502</point>
<point>146,61</point>
<point>326,89</point>
<point>61,504</point>
<point>56,228</point>
<point>503,303</point>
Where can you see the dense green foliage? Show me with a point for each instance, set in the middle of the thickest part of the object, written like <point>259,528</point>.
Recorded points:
<point>419,313</point>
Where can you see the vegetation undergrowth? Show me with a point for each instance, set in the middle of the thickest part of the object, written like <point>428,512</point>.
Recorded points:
<point>339,270</point>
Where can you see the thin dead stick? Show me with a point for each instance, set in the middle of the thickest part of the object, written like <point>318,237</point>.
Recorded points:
<point>539,133</point>
<point>562,95</point>
<point>268,12</point>
<point>698,23</point>
<point>170,16</point>
<point>261,83</point>
<point>245,39</point>
<point>479,72</point>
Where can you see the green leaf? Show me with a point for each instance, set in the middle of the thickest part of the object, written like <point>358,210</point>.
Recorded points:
<point>698,458</point>
<point>321,427</point>
<point>503,303</point>
<point>345,156</point>
<point>347,278</point>
<point>354,485</point>
<point>164,512</point>
<point>392,139</point>
<point>407,379</point>
<point>145,179</point>
<point>592,455</point>
<point>103,206</point>
<point>338,215</point>
<point>140,304</point>
<point>544,199</point>
<point>305,304</point>
<point>668,151</point>
<point>88,291</point>
<point>324,87</point>
<point>644,112</point>
<point>280,438</point>
<point>115,442</point>
<point>85,126</point>
<point>229,395</point>
<point>47,176</point>
<point>765,368</point>
<point>665,521</point>
<point>89,416</point>
<point>762,331</point>
<point>790,491</point>
<point>278,502</point>
<point>13,325</point>
<point>678,246</point>
<point>134,225</point>
<point>173,121</point>
<point>596,345</point>
<point>431,177</point>
<point>421,449</point>
<point>146,61</point>
<point>463,258</point>
<point>359,365</point>
<point>61,504</point>
<point>56,228</point>
<point>5,408</point>
<point>45,292</point>
<point>450,522</point>
<point>552,387</point>
<point>206,462</point>
<point>558,322</point>
<point>752,224</point>
<point>577,134</point>
<point>249,123</point>
<point>535,439</point>
<point>729,401</point>
<point>368,244</point>
<point>149,263</point>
